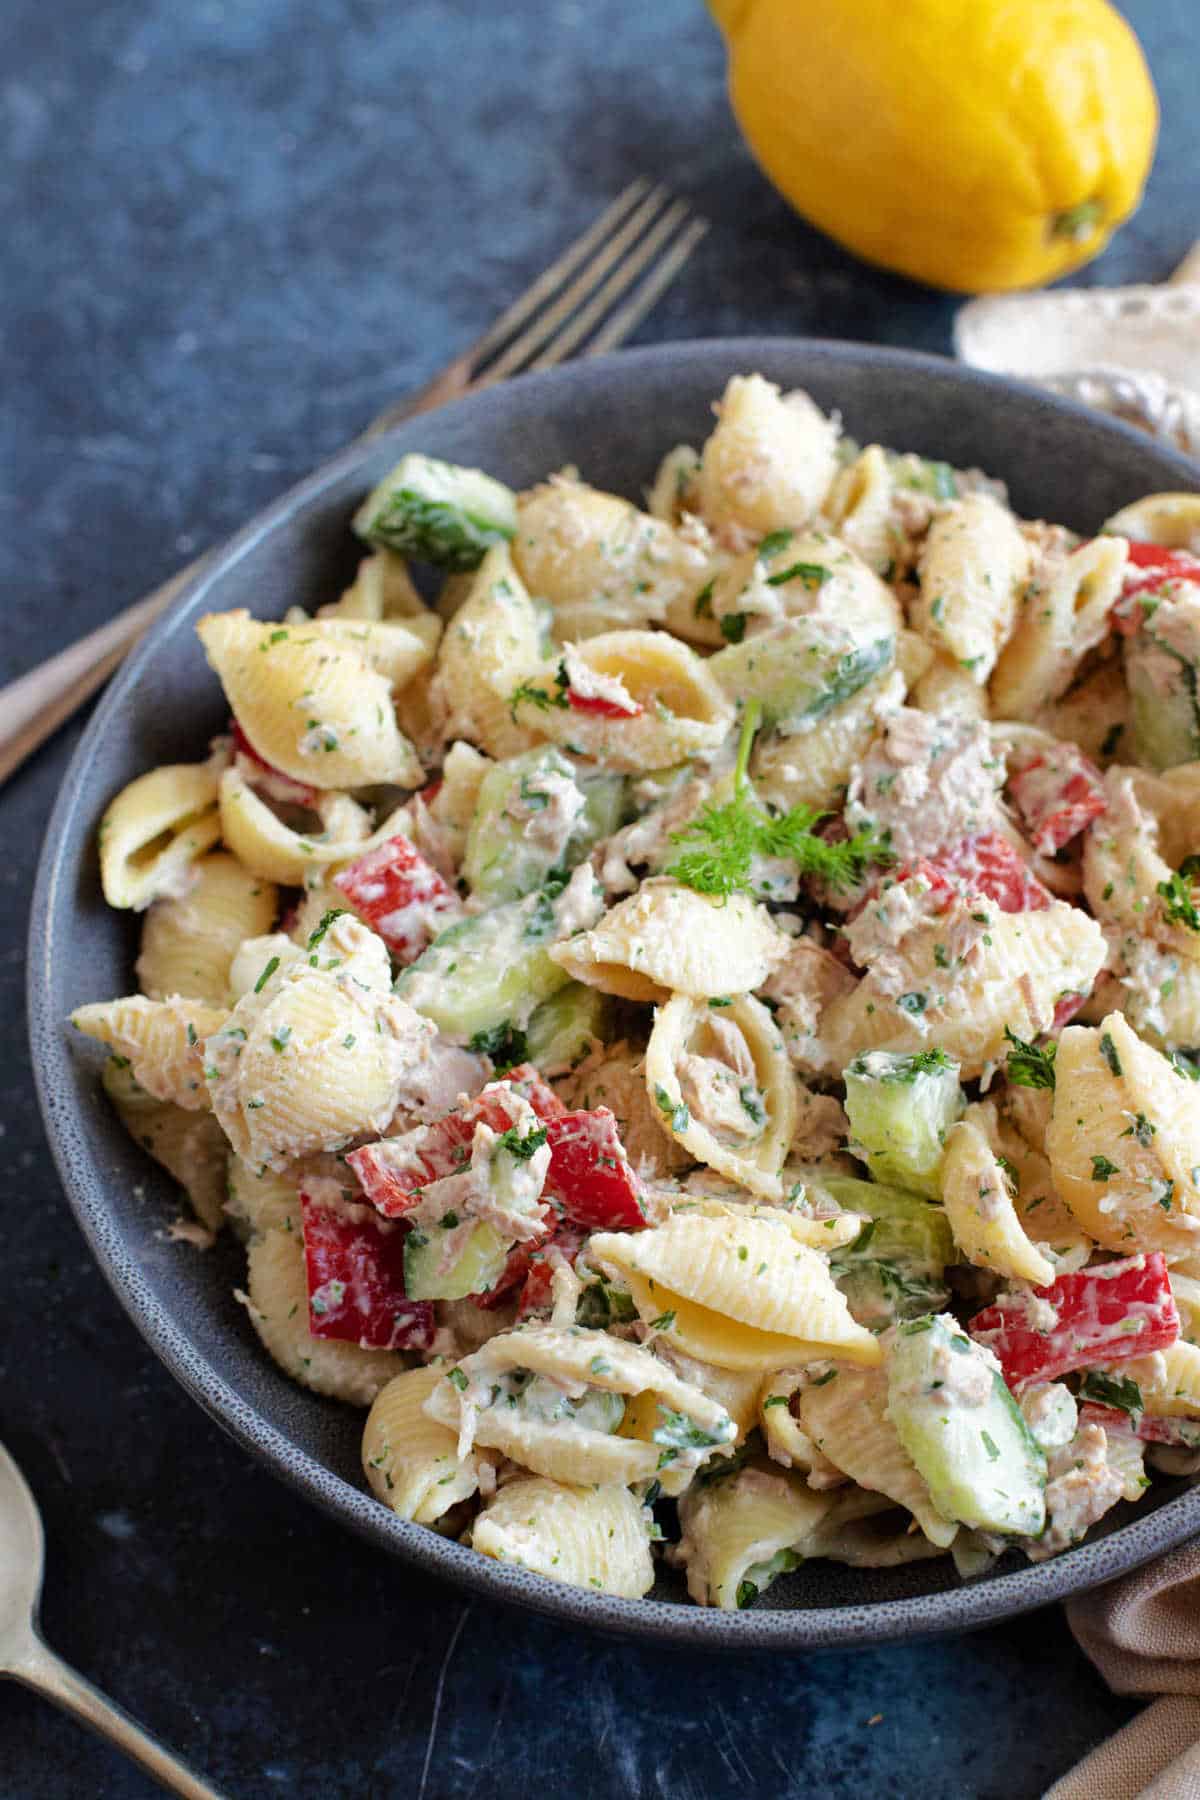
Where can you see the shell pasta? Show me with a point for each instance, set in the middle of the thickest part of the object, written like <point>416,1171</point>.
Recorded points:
<point>693,1010</point>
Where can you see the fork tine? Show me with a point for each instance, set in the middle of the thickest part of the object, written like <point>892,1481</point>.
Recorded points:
<point>623,277</point>
<point>523,348</point>
<point>515,315</point>
<point>628,317</point>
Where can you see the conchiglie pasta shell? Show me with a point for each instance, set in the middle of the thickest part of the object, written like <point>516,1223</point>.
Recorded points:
<point>410,1461</point>
<point>162,1040</point>
<point>382,589</point>
<point>684,713</point>
<point>666,938</point>
<point>859,507</point>
<point>309,700</point>
<point>321,1063</point>
<point>1152,823</point>
<point>733,1525</point>
<point>1170,1387</point>
<point>1015,980</point>
<point>188,942</point>
<point>1172,520</point>
<point>768,464</point>
<point>154,831</point>
<point>601,563</point>
<point>1095,1115</point>
<point>972,563</point>
<point>397,649</point>
<point>577,1358</point>
<point>587,1537</point>
<point>847,1419</point>
<point>1056,627</point>
<point>746,1293</point>
<point>277,1303</point>
<point>259,1199</point>
<point>272,850</point>
<point>981,1213</point>
<point>491,644</point>
<point>190,1145</point>
<point>755,1165</point>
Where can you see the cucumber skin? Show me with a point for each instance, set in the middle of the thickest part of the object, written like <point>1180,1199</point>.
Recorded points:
<point>478,1267</point>
<point>797,678</point>
<point>499,863</point>
<point>1008,1493</point>
<point>490,970</point>
<point>438,512</point>
<point>901,1124</point>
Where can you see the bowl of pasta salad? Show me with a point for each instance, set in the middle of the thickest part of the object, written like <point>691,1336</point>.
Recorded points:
<point>634,954</point>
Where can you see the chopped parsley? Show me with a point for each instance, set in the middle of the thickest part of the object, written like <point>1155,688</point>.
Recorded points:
<point>675,1113</point>
<point>1108,1051</point>
<point>813,575</point>
<point>521,1147</point>
<point>1102,1169</point>
<point>1119,1391</point>
<point>664,1321</point>
<point>528,692</point>
<point>266,975</point>
<point>504,1043</point>
<point>1027,1064</point>
<point>1178,906</point>
<point>335,912</point>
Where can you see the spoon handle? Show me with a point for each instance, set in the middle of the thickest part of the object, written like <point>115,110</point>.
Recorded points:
<point>41,1669</point>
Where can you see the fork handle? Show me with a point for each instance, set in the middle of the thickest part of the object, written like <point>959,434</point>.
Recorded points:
<point>34,706</point>
<point>40,1669</point>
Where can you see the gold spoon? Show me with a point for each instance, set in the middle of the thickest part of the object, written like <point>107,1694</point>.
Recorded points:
<point>26,1658</point>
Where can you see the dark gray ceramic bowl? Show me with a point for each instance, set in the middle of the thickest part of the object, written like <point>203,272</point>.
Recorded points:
<point>614,418</point>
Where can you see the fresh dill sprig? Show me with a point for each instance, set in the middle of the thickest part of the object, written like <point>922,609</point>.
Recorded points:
<point>728,838</point>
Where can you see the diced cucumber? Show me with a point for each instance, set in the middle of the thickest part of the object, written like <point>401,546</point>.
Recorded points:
<point>900,1109</point>
<point>923,476</point>
<point>596,1409</point>
<point>475,1268</point>
<point>602,1304</point>
<point>759,1576</point>
<point>963,1429</point>
<point>438,512</point>
<point>800,670</point>
<point>896,1267</point>
<point>487,971</point>
<point>506,856</point>
<point>1165,706</point>
<point>565,1027</point>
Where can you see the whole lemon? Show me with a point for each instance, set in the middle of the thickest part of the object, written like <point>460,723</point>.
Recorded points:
<point>973,144</point>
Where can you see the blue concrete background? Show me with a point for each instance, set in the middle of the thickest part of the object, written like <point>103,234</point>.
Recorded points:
<point>230,231</point>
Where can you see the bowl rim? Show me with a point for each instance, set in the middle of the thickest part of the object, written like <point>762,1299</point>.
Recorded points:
<point>968,1606</point>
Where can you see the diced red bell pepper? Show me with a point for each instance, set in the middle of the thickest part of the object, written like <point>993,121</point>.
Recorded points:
<point>986,865</point>
<point>394,1170</point>
<point>597,707</point>
<point>1057,794</point>
<point>1151,567</point>
<point>590,1176</point>
<point>355,1270</point>
<point>401,896</point>
<point>1183,1434</point>
<point>568,1240</point>
<point>1102,1315</point>
<point>989,865</point>
<point>282,787</point>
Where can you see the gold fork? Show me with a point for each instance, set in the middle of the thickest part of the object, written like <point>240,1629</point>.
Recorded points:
<point>594,295</point>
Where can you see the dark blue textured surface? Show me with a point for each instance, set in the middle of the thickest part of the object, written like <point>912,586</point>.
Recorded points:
<point>230,232</point>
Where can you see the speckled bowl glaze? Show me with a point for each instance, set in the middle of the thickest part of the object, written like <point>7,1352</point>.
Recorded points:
<point>614,417</point>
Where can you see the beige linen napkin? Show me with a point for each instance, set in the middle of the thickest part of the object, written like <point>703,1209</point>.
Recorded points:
<point>1143,1634</point>
<point>1133,351</point>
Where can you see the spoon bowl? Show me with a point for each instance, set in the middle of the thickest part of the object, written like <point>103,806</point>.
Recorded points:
<point>24,1656</point>
<point>22,1552</point>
